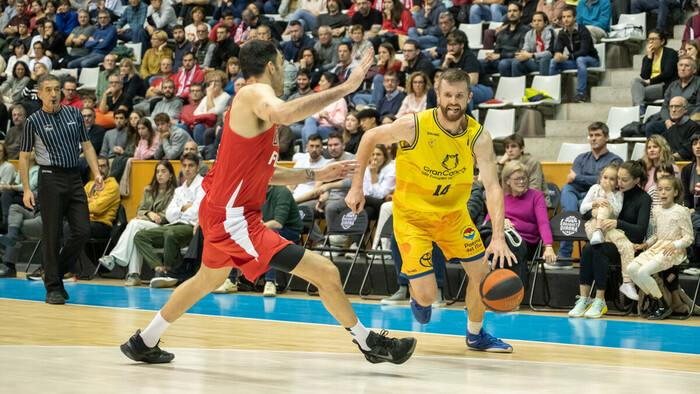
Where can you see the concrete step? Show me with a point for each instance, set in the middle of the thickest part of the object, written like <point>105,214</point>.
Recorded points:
<point>620,77</point>
<point>637,62</point>
<point>678,31</point>
<point>547,149</point>
<point>675,43</point>
<point>590,112</point>
<point>566,128</point>
<point>614,95</point>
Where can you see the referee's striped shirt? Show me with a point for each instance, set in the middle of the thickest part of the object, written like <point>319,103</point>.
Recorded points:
<point>55,137</point>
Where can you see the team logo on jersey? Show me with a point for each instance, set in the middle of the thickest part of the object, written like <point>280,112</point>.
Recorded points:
<point>426,260</point>
<point>451,162</point>
<point>469,233</point>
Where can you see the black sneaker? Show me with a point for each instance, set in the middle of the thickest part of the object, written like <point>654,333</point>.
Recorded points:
<point>661,311</point>
<point>385,349</point>
<point>579,98</point>
<point>162,280</point>
<point>55,297</point>
<point>36,275</point>
<point>136,350</point>
<point>7,271</point>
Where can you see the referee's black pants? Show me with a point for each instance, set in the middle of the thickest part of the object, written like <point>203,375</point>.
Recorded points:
<point>61,194</point>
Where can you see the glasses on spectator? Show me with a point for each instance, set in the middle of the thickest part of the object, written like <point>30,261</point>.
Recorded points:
<point>419,82</point>
<point>676,106</point>
<point>201,31</point>
<point>653,39</point>
<point>114,82</point>
<point>102,17</point>
<point>519,179</point>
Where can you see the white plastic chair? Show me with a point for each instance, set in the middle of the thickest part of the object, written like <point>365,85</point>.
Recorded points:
<point>632,19</point>
<point>651,110</point>
<point>500,122</point>
<point>475,114</point>
<point>510,90</point>
<point>88,78</point>
<point>618,117</point>
<point>495,25</point>
<point>482,54</point>
<point>619,149</point>
<point>136,46</point>
<point>568,152</point>
<point>474,35</point>
<point>545,83</point>
<point>638,151</point>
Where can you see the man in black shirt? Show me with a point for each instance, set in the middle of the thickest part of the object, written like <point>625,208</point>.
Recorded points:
<point>337,20</point>
<point>457,57</point>
<point>115,97</point>
<point>508,41</point>
<point>681,130</point>
<point>370,19</point>
<point>225,49</point>
<point>414,60</point>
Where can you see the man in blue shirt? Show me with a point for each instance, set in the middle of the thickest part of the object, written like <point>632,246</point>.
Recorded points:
<point>584,174</point>
<point>101,42</point>
<point>595,15</point>
<point>130,27</point>
<point>390,103</point>
<point>298,41</point>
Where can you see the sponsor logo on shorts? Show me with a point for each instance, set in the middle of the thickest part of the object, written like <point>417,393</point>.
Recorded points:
<point>469,233</point>
<point>426,260</point>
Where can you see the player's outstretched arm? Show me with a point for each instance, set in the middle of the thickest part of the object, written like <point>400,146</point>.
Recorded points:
<point>404,129</point>
<point>332,171</point>
<point>486,161</point>
<point>271,109</point>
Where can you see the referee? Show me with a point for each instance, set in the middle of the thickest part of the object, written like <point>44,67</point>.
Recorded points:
<point>56,133</point>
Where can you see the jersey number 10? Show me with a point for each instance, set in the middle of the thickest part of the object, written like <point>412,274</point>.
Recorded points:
<point>440,191</point>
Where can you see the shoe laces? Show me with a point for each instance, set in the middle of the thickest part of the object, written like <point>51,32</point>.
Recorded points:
<point>384,340</point>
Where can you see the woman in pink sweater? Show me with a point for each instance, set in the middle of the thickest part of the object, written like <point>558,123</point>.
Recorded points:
<point>526,212</point>
<point>329,119</point>
<point>148,140</point>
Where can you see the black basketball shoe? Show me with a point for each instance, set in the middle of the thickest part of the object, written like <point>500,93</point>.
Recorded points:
<point>136,350</point>
<point>385,349</point>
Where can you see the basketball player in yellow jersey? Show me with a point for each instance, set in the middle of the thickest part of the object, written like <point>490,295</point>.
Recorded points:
<point>434,174</point>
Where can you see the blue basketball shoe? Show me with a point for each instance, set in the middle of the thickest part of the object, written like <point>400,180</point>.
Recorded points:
<point>486,343</point>
<point>421,313</point>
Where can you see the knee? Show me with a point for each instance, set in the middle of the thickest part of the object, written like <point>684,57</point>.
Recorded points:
<point>424,297</point>
<point>328,276</point>
<point>633,269</point>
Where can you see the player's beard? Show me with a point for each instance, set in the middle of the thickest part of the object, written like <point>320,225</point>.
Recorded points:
<point>452,116</point>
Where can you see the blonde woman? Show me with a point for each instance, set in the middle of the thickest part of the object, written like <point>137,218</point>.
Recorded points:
<point>150,65</point>
<point>133,83</point>
<point>416,94</point>
<point>657,150</point>
<point>214,102</point>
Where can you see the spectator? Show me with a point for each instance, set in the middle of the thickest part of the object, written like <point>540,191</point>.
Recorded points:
<point>203,48</point>
<point>225,49</point>
<point>229,26</point>
<point>186,116</point>
<point>553,9</point>
<point>427,25</point>
<point>459,57</point>
<point>690,176</point>
<point>95,132</point>
<point>368,118</point>
<point>233,72</point>
<point>312,159</point>
<point>172,139</point>
<point>536,52</point>
<point>509,40</point>
<point>148,140</point>
<point>170,104</point>
<point>329,119</point>
<point>576,39</point>
<point>657,151</point>
<point>692,49</point>
<point>160,17</point>
<point>682,129</point>
<point>133,83</point>
<point>515,151</point>
<point>113,7</point>
<point>414,60</point>
<point>360,43</point>
<point>386,61</point>
<point>14,133</point>
<point>18,54</point>
<point>656,74</point>
<point>391,102</point>
<point>55,45</point>
<point>395,23</point>
<point>182,46</point>
<point>692,30</point>
<point>100,43</point>
<point>7,170</point>
<point>124,155</point>
<point>633,220</point>
<point>189,74</point>
<point>345,61</point>
<point>24,36</point>
<point>310,60</point>
<point>663,169</point>
<point>235,6</point>
<point>150,213</point>
<point>70,94</point>
<point>116,137</point>
<point>306,13</point>
<point>334,19</point>
<point>595,15</point>
<point>166,72</point>
<point>185,13</point>
<point>303,89</point>
<point>298,40</point>
<point>16,82</point>
<point>114,98</point>
<point>416,98</point>
<point>352,133</point>
<point>110,67</point>
<point>526,212</point>
<point>21,222</point>
<point>150,64</point>
<point>191,147</point>
<point>40,56</point>
<point>379,180</point>
<point>661,6</point>
<point>11,30</point>
<point>130,27</point>
<point>487,10</point>
<point>369,18</point>
<point>214,103</point>
<point>182,216</point>
<point>78,37</point>
<point>30,98</point>
<point>687,85</point>
<point>326,47</point>
<point>12,193</point>
<point>584,174</point>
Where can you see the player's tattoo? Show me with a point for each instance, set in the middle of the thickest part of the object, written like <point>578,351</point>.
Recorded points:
<point>310,174</point>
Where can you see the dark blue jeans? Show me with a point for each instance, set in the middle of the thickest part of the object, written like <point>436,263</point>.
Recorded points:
<point>663,6</point>
<point>438,264</point>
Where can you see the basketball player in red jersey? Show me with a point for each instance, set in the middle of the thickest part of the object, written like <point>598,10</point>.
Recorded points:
<point>230,217</point>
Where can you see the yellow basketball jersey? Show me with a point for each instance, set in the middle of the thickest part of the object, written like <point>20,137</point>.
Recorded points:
<point>436,172</point>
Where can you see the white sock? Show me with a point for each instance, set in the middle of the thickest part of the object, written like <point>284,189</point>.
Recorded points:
<point>151,335</point>
<point>474,327</point>
<point>360,333</point>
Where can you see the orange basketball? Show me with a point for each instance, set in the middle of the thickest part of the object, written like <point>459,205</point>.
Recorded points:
<point>501,290</point>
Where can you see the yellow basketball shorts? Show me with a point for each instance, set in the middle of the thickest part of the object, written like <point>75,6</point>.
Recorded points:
<point>454,232</point>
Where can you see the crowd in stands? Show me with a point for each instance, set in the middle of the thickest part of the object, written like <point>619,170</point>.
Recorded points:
<point>167,72</point>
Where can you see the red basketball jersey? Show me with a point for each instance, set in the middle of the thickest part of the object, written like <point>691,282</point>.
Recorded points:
<point>242,170</point>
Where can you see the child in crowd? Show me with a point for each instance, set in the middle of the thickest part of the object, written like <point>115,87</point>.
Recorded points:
<point>605,202</point>
<point>662,169</point>
<point>666,248</point>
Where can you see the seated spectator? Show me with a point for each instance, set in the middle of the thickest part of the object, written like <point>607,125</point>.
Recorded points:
<point>416,99</point>
<point>595,15</point>
<point>459,57</point>
<point>226,49</point>
<point>311,159</point>
<point>515,151</point>
<point>369,18</point>
<point>151,213</point>
<point>130,27</point>
<point>24,36</point>
<point>170,104</point>
<point>189,74</point>
<point>14,133</point>
<point>101,43</point>
<point>7,170</point>
<point>123,155</point>
<point>692,30</point>
<point>656,151</point>
<point>182,216</point>
<point>133,83</point>
<point>690,176</point>
<point>172,139</point>
<point>229,28</point>
<point>379,180</point>
<point>327,47</point>
<point>70,94</point>
<point>40,56</point>
<point>692,49</point>
<point>352,133</point>
<point>334,19</point>
<point>30,98</point>
<point>508,41</point>
<point>12,88</point>
<point>303,89</point>
<point>306,13</point>
<point>298,40</point>
<point>148,140</point>
<point>12,193</point>
<point>687,86</point>
<point>391,102</point>
<point>661,6</point>
<point>663,169</point>
<point>595,259</point>
<point>150,64</point>
<point>310,61</point>
<point>114,98</point>
<point>584,174</point>
<point>183,46</point>
<point>110,67</point>
<point>116,137</point>
<point>396,20</point>
<point>487,10</point>
<point>553,9</point>
<point>414,60</point>
<point>55,45</point>
<point>198,19</point>
<point>160,17</point>
<point>386,61</point>
<point>360,43</point>
<point>95,132</point>
<point>21,223</point>
<point>427,25</point>
<point>345,62</point>
<point>329,119</point>
<point>114,8</point>
<point>186,117</point>
<point>681,130</point>
<point>21,15</point>
<point>369,119</point>
<point>659,69</point>
<point>166,72</point>
<point>212,106</point>
<point>233,73</point>
<point>447,25</point>
<point>191,147</point>
<point>18,54</point>
<point>203,48</point>
<point>576,39</point>
<point>526,212</point>
<point>536,52</point>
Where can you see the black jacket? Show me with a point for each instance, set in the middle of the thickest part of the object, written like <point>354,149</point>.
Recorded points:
<point>679,135</point>
<point>669,68</point>
<point>510,41</point>
<point>423,63</point>
<point>688,197</point>
<point>579,43</point>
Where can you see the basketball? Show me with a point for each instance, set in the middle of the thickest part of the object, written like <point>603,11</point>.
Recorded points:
<point>501,290</point>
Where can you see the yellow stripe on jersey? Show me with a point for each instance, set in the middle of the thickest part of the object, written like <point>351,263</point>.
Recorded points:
<point>435,173</point>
